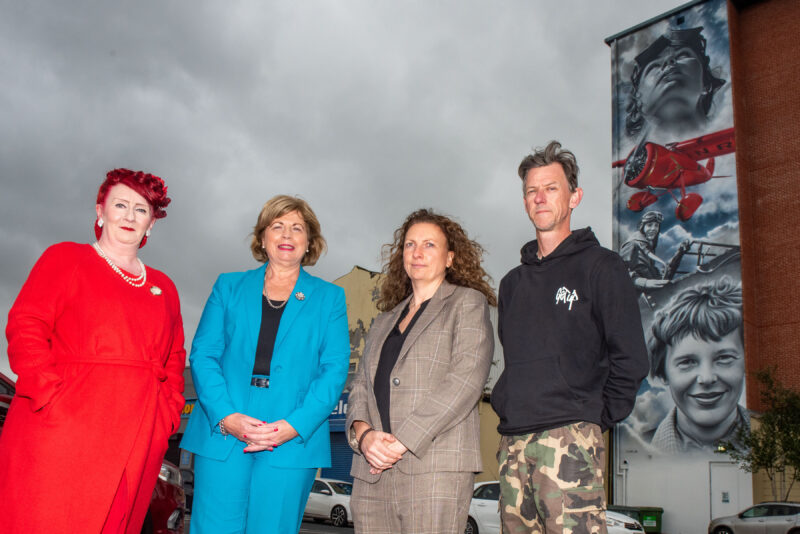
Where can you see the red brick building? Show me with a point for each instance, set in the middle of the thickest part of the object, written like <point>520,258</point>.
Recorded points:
<point>765,61</point>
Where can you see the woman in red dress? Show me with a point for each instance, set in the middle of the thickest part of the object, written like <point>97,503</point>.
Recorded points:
<point>96,341</point>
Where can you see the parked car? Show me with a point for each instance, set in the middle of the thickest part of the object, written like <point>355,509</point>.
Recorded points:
<point>168,504</point>
<point>764,518</point>
<point>484,514</point>
<point>7,389</point>
<point>330,500</point>
<point>187,474</point>
<point>617,523</point>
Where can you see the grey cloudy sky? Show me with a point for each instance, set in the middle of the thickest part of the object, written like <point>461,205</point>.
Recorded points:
<point>367,109</point>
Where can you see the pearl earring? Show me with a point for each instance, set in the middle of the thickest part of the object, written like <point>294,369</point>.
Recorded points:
<point>99,223</point>
<point>147,233</point>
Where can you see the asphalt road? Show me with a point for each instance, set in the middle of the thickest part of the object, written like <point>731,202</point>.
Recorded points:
<point>309,527</point>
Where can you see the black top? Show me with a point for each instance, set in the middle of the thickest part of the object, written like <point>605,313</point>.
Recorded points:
<point>572,339</point>
<point>389,354</point>
<point>270,320</point>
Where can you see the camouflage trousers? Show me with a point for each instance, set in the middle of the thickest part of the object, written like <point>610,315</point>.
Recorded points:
<point>552,481</point>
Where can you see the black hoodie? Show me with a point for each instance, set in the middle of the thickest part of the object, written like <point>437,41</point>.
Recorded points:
<point>572,339</point>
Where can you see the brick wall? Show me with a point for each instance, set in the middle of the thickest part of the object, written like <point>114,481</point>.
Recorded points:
<point>765,60</point>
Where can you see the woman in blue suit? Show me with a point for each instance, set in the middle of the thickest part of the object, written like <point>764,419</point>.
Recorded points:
<point>269,361</point>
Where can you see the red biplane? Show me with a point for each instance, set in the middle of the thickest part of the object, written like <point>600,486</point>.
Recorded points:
<point>662,169</point>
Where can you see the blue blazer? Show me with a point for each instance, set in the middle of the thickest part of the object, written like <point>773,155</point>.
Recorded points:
<point>307,373</point>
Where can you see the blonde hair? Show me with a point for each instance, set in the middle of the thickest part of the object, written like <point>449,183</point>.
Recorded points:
<point>278,206</point>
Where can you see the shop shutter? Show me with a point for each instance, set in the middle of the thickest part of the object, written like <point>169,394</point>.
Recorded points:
<point>341,458</point>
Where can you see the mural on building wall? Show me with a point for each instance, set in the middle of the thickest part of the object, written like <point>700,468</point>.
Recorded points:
<point>676,226</point>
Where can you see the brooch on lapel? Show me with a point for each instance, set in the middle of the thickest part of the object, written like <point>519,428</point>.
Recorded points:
<point>299,296</point>
<point>155,290</point>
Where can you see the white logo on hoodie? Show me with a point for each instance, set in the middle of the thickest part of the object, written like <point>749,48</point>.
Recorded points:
<point>566,296</point>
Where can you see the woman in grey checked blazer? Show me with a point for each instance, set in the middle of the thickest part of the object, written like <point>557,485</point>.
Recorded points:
<point>413,408</point>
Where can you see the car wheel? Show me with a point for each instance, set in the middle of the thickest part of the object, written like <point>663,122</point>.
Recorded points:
<point>339,516</point>
<point>472,526</point>
<point>723,530</point>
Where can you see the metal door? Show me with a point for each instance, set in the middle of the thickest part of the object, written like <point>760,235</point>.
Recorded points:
<point>724,487</point>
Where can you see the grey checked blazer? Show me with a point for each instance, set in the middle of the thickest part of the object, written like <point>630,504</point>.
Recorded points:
<point>436,384</point>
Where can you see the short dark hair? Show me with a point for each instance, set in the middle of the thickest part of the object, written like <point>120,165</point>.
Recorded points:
<point>552,153</point>
<point>708,311</point>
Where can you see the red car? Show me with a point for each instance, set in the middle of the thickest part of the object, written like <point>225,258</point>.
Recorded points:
<point>7,389</point>
<point>168,504</point>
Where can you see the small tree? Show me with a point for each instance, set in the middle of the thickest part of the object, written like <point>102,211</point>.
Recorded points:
<point>774,445</point>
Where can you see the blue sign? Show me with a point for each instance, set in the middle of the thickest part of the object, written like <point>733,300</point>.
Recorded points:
<point>337,417</point>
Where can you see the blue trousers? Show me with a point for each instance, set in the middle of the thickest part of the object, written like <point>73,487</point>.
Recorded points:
<point>244,494</point>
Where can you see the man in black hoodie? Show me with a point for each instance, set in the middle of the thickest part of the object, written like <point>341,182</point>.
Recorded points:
<point>574,358</point>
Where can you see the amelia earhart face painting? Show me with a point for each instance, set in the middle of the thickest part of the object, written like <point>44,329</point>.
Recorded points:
<point>705,378</point>
<point>673,84</point>
<point>697,350</point>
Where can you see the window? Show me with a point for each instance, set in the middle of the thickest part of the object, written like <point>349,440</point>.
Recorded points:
<point>783,510</point>
<point>319,486</point>
<point>756,511</point>
<point>342,488</point>
<point>489,492</point>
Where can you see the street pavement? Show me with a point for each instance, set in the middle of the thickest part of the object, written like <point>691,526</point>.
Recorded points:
<point>309,527</point>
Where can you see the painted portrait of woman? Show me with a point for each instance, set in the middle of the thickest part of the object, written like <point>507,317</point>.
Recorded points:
<point>697,349</point>
<point>672,85</point>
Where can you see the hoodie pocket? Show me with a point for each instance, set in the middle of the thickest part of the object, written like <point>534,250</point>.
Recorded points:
<point>538,393</point>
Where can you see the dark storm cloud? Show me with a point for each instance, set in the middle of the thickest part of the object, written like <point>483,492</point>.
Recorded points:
<point>366,109</point>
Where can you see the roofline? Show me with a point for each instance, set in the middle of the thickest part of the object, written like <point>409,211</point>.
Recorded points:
<point>609,40</point>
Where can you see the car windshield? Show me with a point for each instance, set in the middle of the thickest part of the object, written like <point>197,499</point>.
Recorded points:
<point>342,488</point>
<point>755,511</point>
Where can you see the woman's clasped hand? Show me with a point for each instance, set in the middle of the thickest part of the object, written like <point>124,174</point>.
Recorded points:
<point>258,435</point>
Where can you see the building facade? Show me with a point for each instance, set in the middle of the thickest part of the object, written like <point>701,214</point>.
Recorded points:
<point>704,180</point>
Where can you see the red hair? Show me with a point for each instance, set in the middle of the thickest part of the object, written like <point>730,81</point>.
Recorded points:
<point>151,187</point>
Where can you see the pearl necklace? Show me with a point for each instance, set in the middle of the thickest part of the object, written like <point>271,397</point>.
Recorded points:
<point>138,281</point>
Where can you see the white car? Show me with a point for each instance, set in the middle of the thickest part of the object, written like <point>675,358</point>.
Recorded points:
<point>330,499</point>
<point>767,517</point>
<point>484,514</point>
<point>617,523</point>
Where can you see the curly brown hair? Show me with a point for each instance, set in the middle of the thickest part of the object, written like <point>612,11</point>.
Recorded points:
<point>466,269</point>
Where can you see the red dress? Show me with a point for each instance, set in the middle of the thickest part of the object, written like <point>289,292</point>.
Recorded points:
<point>100,376</point>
